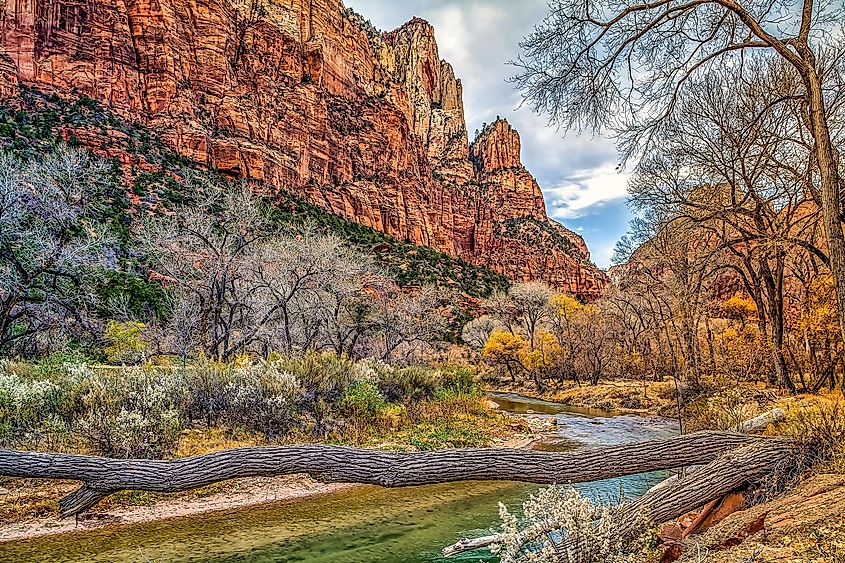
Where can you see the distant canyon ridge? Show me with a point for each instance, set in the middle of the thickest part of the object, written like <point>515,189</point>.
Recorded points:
<point>306,96</point>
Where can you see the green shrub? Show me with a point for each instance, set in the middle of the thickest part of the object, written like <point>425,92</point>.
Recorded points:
<point>363,400</point>
<point>125,342</point>
<point>264,398</point>
<point>28,410</point>
<point>129,412</point>
<point>322,376</point>
<point>459,382</point>
<point>405,385</point>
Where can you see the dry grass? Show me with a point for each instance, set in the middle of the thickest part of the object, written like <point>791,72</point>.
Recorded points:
<point>649,397</point>
<point>427,425</point>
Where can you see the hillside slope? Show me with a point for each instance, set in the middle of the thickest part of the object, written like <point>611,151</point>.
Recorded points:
<point>306,97</point>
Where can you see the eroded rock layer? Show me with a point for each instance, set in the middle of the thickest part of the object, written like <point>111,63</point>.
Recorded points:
<point>305,96</point>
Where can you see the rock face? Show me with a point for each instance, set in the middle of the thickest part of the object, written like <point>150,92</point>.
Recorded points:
<point>305,96</point>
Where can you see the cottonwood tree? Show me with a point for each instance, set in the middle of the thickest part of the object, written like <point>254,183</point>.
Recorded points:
<point>52,244</point>
<point>738,176</point>
<point>408,321</point>
<point>477,332</point>
<point>305,288</point>
<point>622,65</point>
<point>523,308</point>
<point>564,320</point>
<point>533,306</point>
<point>246,287</point>
<point>207,250</point>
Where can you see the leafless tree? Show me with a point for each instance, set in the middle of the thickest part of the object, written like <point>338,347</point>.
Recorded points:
<point>408,320</point>
<point>477,332</point>
<point>623,64</point>
<point>533,302</point>
<point>246,287</point>
<point>206,250</point>
<point>738,176</point>
<point>52,244</point>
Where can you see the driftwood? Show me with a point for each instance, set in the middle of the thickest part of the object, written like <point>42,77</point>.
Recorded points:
<point>678,494</point>
<point>730,471</point>
<point>103,476</point>
<point>470,544</point>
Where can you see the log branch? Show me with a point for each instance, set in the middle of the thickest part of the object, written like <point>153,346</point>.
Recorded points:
<point>730,471</point>
<point>761,422</point>
<point>104,476</point>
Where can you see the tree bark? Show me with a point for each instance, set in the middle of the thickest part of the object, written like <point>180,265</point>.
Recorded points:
<point>829,180</point>
<point>104,476</point>
<point>727,473</point>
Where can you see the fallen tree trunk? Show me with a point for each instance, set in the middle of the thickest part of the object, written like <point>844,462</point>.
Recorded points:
<point>104,476</point>
<point>730,471</point>
<point>751,426</point>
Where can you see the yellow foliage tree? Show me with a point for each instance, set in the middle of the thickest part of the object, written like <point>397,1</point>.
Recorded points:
<point>125,342</point>
<point>738,308</point>
<point>506,350</point>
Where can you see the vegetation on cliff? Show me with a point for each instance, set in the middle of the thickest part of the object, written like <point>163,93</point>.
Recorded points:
<point>266,320</point>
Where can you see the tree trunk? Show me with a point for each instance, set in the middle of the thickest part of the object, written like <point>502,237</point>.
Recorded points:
<point>104,476</point>
<point>831,201</point>
<point>728,472</point>
<point>731,471</point>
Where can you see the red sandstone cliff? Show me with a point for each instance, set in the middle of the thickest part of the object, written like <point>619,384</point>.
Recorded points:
<point>305,96</point>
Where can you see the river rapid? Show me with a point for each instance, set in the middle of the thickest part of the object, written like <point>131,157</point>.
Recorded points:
<point>359,524</point>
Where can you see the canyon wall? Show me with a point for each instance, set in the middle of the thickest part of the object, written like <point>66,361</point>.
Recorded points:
<point>305,96</point>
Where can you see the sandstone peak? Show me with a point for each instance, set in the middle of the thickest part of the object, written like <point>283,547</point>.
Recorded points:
<point>312,99</point>
<point>496,146</point>
<point>414,23</point>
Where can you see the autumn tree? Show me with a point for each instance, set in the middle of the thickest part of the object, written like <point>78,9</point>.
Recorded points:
<point>506,350</point>
<point>733,164</point>
<point>624,65</point>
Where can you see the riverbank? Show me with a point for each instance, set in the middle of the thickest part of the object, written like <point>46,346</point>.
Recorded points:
<point>28,509</point>
<point>133,508</point>
<point>632,397</point>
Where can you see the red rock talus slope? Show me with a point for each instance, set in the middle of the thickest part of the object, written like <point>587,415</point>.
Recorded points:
<point>306,97</point>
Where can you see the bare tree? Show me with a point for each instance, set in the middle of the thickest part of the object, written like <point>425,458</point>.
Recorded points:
<point>477,332</point>
<point>251,288</point>
<point>622,64</point>
<point>738,175</point>
<point>533,305</point>
<point>206,250</point>
<point>408,320</point>
<point>52,243</point>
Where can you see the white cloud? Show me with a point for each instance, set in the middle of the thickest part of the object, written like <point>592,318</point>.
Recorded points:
<point>586,189</point>
<point>478,37</point>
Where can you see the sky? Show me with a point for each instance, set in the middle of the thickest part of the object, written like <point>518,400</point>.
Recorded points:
<point>577,173</point>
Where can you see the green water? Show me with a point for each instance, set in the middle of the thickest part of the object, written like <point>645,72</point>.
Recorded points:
<point>355,525</point>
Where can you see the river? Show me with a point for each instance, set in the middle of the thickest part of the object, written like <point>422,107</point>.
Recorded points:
<point>358,524</point>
